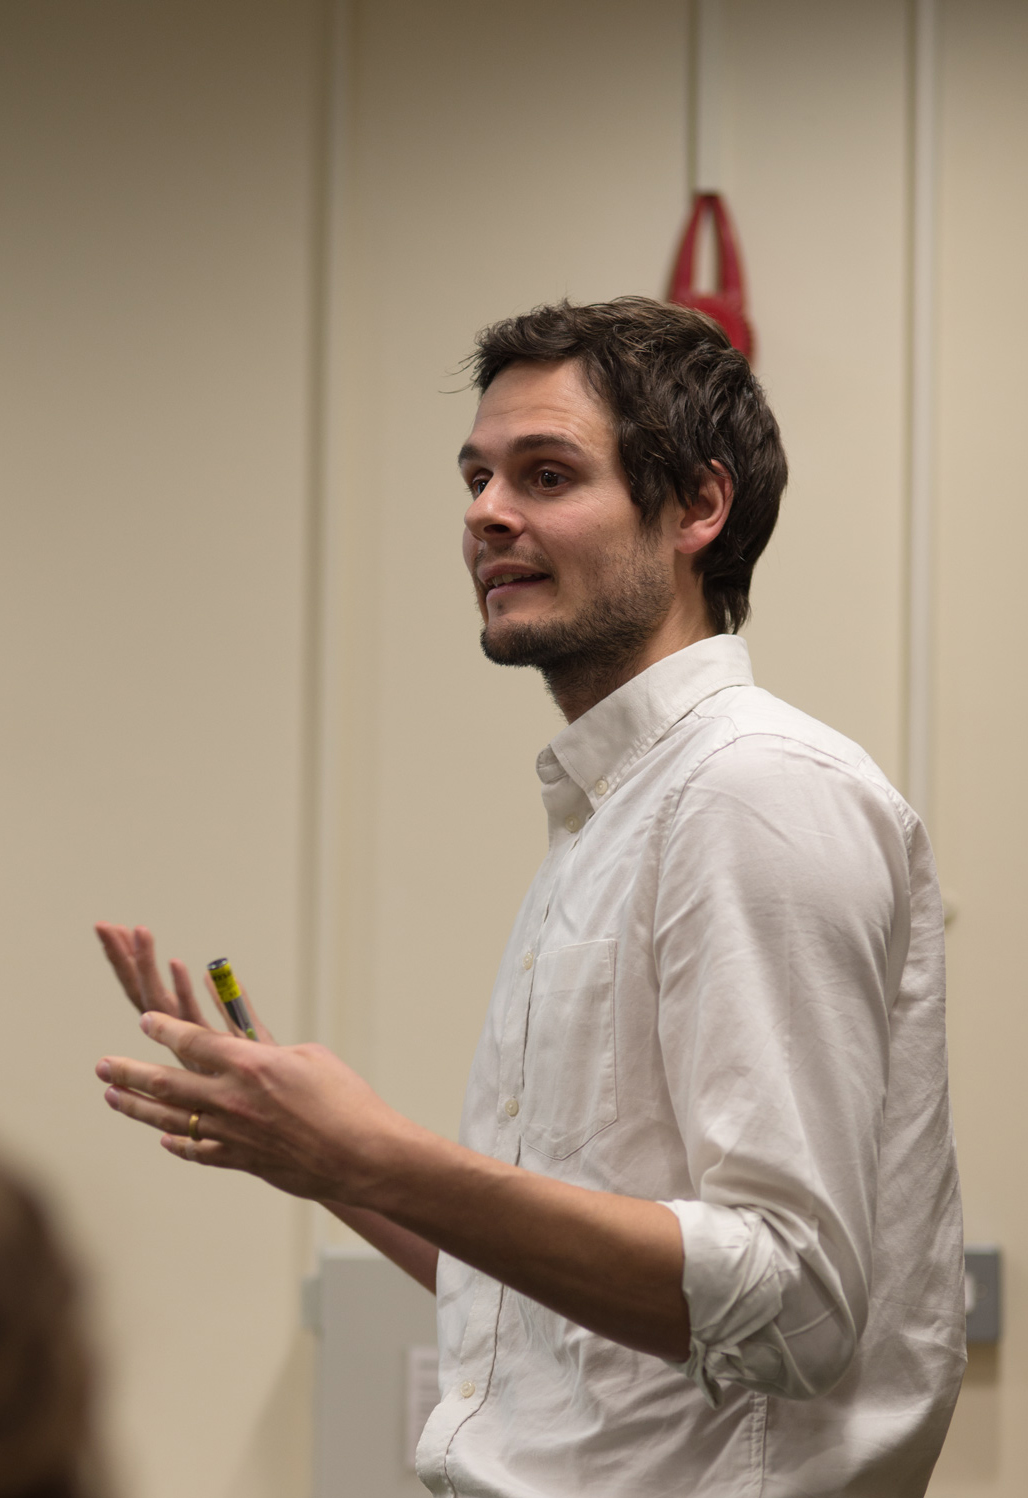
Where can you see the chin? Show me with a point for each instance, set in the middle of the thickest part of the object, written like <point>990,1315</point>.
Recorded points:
<point>497,625</point>
<point>513,623</point>
<point>498,642</point>
<point>517,642</point>
<point>494,634</point>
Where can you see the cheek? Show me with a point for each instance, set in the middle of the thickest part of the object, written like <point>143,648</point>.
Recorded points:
<point>469,546</point>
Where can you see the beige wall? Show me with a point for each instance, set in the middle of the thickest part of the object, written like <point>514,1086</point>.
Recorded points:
<point>488,172</point>
<point>168,410</point>
<point>981,822</point>
<point>157,191</point>
<point>815,166</point>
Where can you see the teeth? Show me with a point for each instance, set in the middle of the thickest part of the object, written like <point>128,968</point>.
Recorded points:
<point>511,577</point>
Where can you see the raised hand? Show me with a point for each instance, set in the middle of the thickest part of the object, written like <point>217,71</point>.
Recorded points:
<point>296,1116</point>
<point>132,956</point>
<point>269,1110</point>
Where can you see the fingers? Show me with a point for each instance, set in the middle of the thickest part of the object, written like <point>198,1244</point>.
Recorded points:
<point>174,1125</point>
<point>219,1007</point>
<point>153,992</point>
<point>165,1086</point>
<point>117,944</point>
<point>199,1152</point>
<point>157,1115</point>
<point>263,1033</point>
<point>132,955</point>
<point>188,1007</point>
<point>196,1046</point>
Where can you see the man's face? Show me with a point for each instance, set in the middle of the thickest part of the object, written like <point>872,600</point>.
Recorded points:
<point>562,570</point>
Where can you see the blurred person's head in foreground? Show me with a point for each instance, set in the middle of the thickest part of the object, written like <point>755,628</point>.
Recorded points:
<point>46,1377</point>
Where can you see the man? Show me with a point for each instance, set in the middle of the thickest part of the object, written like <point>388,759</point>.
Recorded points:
<point>702,1233</point>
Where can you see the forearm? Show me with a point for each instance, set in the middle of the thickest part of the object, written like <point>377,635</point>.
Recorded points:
<point>302,1120</point>
<point>610,1263</point>
<point>412,1253</point>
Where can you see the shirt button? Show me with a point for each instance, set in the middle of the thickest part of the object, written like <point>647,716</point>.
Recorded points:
<point>511,1106</point>
<point>526,961</point>
<point>467,1388</point>
<point>571,823</point>
<point>601,788</point>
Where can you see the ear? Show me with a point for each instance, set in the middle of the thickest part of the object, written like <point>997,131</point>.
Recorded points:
<point>704,519</point>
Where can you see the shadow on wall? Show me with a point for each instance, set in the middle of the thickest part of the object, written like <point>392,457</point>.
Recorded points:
<point>972,1449</point>
<point>278,1460</point>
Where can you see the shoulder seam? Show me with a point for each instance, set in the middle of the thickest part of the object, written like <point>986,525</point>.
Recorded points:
<point>857,770</point>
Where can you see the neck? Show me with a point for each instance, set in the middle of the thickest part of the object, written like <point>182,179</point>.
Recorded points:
<point>577,683</point>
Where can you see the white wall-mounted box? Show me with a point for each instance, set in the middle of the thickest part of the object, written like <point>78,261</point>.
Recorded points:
<point>376,1375</point>
<point>982,1303</point>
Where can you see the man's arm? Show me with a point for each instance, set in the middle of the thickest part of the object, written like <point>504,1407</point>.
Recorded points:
<point>610,1263</point>
<point>409,1252</point>
<point>780,937</point>
<point>301,1119</point>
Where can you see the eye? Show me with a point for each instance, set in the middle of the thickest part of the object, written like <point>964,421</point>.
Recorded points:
<point>477,484</point>
<point>550,479</point>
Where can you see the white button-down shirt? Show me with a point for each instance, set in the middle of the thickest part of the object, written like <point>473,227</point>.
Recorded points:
<point>724,992</point>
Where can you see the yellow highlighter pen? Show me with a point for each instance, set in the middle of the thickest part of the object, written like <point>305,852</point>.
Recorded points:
<point>231,995</point>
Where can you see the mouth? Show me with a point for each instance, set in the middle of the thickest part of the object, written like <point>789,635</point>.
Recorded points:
<point>506,584</point>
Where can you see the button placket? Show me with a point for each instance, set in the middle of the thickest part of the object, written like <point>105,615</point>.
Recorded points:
<point>469,1390</point>
<point>478,1353</point>
<point>510,1107</point>
<point>512,1047</point>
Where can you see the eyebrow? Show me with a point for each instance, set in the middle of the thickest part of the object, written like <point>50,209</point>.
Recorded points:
<point>529,442</point>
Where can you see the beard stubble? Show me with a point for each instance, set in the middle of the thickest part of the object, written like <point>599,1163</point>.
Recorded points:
<point>589,655</point>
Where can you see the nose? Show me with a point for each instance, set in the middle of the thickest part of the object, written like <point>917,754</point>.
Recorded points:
<point>494,514</point>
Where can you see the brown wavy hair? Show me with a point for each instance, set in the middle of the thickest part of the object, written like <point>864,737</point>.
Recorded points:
<point>46,1441</point>
<point>681,398</point>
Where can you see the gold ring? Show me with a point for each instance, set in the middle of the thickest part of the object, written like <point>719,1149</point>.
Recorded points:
<point>194,1127</point>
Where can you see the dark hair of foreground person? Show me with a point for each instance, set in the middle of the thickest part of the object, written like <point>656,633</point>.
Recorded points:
<point>46,1377</point>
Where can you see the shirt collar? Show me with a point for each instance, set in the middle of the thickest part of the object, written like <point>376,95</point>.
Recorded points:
<point>601,746</point>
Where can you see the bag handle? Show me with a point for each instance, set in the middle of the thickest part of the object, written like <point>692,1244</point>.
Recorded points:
<point>726,305</point>
<point>729,269</point>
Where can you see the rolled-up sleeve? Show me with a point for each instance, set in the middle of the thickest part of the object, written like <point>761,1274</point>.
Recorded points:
<point>782,924</point>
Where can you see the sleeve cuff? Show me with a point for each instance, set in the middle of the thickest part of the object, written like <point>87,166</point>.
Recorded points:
<point>731,1282</point>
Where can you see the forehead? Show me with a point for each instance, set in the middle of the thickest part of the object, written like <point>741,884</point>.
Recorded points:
<point>526,399</point>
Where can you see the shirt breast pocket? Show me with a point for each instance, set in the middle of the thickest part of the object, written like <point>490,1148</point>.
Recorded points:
<point>570,1088</point>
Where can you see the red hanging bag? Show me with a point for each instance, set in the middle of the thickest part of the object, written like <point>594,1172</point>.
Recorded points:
<point>727,304</point>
